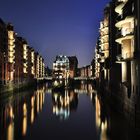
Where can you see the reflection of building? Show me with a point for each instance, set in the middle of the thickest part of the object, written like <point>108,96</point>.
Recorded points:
<point>73,66</point>
<point>17,115</point>
<point>101,122</point>
<point>64,103</point>
<point>84,87</point>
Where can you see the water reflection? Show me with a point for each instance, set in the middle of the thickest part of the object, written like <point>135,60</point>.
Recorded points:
<point>18,112</point>
<point>84,87</point>
<point>32,109</point>
<point>24,128</point>
<point>9,115</point>
<point>109,124</point>
<point>64,103</point>
<point>82,112</point>
<point>10,131</point>
<point>101,123</point>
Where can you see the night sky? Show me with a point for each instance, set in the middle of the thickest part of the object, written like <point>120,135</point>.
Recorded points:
<point>53,27</point>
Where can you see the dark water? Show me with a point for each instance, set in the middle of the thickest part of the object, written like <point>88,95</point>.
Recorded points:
<point>70,114</point>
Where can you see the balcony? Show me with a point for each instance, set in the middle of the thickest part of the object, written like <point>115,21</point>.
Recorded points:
<point>11,51</point>
<point>25,65</point>
<point>101,59</point>
<point>122,21</point>
<point>119,7</point>
<point>124,34</point>
<point>11,60</point>
<point>106,44</point>
<point>11,39</point>
<point>105,48</point>
<point>125,57</point>
<point>105,37</point>
<point>103,29</point>
<point>11,56</point>
<point>104,41</point>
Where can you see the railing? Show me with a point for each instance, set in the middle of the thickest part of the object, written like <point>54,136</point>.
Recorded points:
<point>11,51</point>
<point>103,41</point>
<point>48,78</point>
<point>104,33</point>
<point>124,32</point>
<point>127,31</point>
<point>104,49</point>
<point>104,25</point>
<point>125,56</point>
<point>105,36</point>
<point>84,78</point>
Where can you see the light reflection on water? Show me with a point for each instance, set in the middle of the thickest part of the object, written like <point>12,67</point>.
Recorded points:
<point>101,126</point>
<point>79,112</point>
<point>64,103</point>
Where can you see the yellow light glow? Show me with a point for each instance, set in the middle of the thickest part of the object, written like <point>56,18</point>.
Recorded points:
<point>24,70</point>
<point>54,109</point>
<point>119,40</point>
<point>103,135</point>
<point>98,109</point>
<point>41,101</point>
<point>10,131</point>
<point>37,102</point>
<point>124,72</point>
<point>119,8</point>
<point>32,115</point>
<point>24,109</point>
<point>32,102</point>
<point>11,35</point>
<point>11,113</point>
<point>24,128</point>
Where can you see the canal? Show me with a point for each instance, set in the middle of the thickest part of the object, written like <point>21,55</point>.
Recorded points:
<point>70,114</point>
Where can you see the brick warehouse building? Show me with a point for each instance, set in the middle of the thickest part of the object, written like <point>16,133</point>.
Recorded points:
<point>18,62</point>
